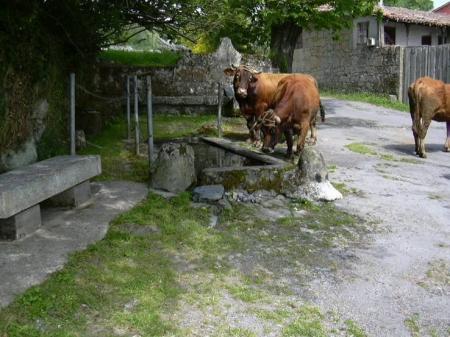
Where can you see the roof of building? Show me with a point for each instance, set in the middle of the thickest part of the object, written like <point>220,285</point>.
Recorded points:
<point>400,14</point>
<point>414,16</point>
<point>442,6</point>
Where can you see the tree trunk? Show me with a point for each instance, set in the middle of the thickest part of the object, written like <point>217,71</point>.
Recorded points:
<point>282,44</point>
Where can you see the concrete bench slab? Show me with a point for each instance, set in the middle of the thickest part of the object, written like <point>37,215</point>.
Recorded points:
<point>65,177</point>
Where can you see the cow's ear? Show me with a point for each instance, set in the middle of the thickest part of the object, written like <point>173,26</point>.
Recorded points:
<point>253,78</point>
<point>229,71</point>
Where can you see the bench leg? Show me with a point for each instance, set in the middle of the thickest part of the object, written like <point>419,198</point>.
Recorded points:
<point>21,224</point>
<point>74,197</point>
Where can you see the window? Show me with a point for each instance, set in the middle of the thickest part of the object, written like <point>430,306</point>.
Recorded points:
<point>389,35</point>
<point>426,40</point>
<point>363,33</point>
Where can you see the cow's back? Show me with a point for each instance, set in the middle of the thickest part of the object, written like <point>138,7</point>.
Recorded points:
<point>429,98</point>
<point>297,96</point>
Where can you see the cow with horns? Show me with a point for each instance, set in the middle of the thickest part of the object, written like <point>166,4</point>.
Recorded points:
<point>429,100</point>
<point>255,94</point>
<point>296,103</point>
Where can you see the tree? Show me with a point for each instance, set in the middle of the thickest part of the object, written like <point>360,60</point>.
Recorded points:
<point>424,5</point>
<point>276,23</point>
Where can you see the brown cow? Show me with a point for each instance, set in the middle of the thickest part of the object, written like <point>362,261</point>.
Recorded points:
<point>297,102</point>
<point>429,99</point>
<point>254,91</point>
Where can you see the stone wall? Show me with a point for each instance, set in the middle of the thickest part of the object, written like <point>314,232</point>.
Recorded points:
<point>190,87</point>
<point>337,65</point>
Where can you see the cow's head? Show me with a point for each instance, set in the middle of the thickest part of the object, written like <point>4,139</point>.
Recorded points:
<point>269,123</point>
<point>243,77</point>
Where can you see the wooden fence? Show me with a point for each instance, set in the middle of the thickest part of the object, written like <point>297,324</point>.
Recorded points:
<point>433,61</point>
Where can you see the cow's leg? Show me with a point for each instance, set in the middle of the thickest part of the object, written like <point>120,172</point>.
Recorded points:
<point>421,133</point>
<point>414,127</point>
<point>254,131</point>
<point>447,141</point>
<point>288,134</point>
<point>313,128</point>
<point>304,126</point>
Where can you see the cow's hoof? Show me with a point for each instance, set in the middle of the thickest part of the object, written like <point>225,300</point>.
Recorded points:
<point>422,155</point>
<point>267,150</point>
<point>446,149</point>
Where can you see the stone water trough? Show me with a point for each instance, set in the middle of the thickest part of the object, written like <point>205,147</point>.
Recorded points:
<point>217,161</point>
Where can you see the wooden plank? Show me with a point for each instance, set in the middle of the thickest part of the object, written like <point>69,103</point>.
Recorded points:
<point>432,65</point>
<point>406,74</point>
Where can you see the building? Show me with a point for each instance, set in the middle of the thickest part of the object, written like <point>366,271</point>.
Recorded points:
<point>370,56</point>
<point>444,9</point>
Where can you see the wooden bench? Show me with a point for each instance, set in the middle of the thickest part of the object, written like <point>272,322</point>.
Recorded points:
<point>63,179</point>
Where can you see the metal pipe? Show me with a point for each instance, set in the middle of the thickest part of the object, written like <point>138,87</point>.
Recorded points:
<point>72,114</point>
<point>136,114</point>
<point>149,121</point>
<point>219,109</point>
<point>128,109</point>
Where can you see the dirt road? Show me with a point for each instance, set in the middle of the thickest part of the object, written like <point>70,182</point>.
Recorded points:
<point>400,281</point>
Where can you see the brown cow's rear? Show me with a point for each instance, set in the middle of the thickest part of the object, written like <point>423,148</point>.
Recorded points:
<point>297,102</point>
<point>429,100</point>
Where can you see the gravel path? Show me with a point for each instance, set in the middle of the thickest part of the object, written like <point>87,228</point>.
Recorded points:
<point>404,273</point>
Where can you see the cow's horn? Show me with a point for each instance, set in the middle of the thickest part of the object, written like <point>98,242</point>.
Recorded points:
<point>277,119</point>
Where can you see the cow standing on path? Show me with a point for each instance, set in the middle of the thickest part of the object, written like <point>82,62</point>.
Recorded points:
<point>429,100</point>
<point>255,93</point>
<point>297,102</point>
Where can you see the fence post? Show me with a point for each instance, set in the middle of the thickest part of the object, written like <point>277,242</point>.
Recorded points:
<point>149,121</point>
<point>136,114</point>
<point>128,109</point>
<point>72,114</point>
<point>219,108</point>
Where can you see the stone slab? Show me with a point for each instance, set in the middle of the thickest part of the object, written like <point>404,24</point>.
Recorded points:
<point>27,186</point>
<point>21,224</point>
<point>208,193</point>
<point>73,197</point>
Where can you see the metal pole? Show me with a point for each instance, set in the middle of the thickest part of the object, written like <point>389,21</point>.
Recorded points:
<point>72,114</point>
<point>149,120</point>
<point>136,114</point>
<point>219,110</point>
<point>128,109</point>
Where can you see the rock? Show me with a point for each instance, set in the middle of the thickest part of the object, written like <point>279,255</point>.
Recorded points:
<point>208,193</point>
<point>323,191</point>
<point>40,110</point>
<point>26,154</point>
<point>311,180</point>
<point>312,166</point>
<point>225,56</point>
<point>213,221</point>
<point>174,168</point>
<point>80,139</point>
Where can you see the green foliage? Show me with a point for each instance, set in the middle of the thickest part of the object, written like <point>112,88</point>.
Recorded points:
<point>141,58</point>
<point>424,5</point>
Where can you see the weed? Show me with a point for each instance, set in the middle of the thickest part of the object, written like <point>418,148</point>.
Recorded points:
<point>412,323</point>
<point>308,323</point>
<point>353,330</point>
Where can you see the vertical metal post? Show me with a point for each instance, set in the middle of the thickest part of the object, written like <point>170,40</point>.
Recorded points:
<point>149,120</point>
<point>72,114</point>
<point>219,109</point>
<point>128,109</point>
<point>136,114</point>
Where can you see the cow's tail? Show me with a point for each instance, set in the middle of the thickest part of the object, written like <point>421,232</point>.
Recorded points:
<point>322,111</point>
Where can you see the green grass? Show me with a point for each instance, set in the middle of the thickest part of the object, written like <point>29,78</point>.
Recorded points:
<point>354,330</point>
<point>308,323</point>
<point>371,98</point>
<point>118,160</point>
<point>361,149</point>
<point>412,323</point>
<point>141,58</point>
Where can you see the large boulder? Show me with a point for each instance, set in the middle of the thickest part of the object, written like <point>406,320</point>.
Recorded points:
<point>312,177</point>
<point>174,169</point>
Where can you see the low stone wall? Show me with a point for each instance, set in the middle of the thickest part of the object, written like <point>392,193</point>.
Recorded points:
<point>337,65</point>
<point>190,87</point>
